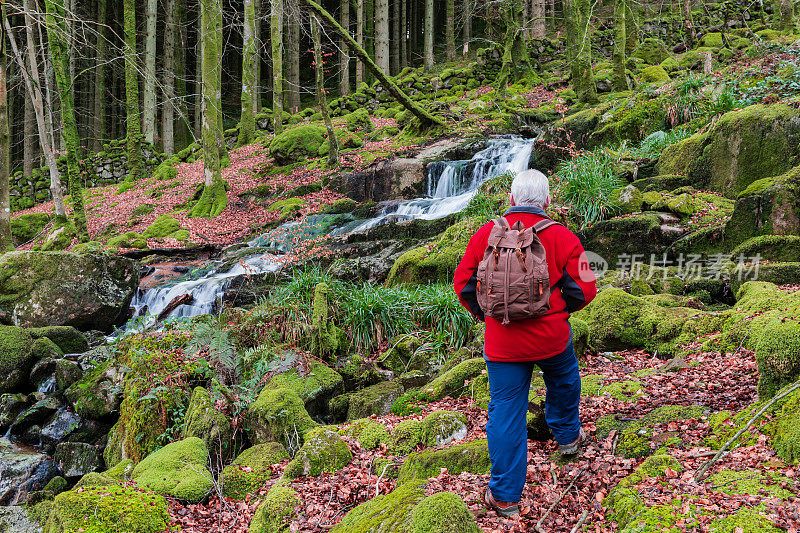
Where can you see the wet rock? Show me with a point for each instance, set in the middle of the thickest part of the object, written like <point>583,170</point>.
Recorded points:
<point>443,427</point>
<point>58,428</point>
<point>15,519</point>
<point>37,414</point>
<point>76,459</point>
<point>11,405</point>
<point>385,180</point>
<point>22,471</point>
<point>99,392</point>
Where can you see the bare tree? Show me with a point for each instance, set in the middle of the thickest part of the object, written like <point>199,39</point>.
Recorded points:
<point>319,76</point>
<point>149,96</point>
<point>276,36</point>
<point>6,242</point>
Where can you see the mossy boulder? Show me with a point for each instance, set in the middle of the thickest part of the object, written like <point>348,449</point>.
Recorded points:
<point>443,512</point>
<point>627,235</point>
<point>277,415</point>
<point>324,452</point>
<point>98,393</point>
<point>273,513</point>
<point>67,338</point>
<point>251,469</point>
<point>777,356</point>
<point>16,358</point>
<point>108,508</point>
<point>470,456</point>
<point>342,205</point>
<point>315,386</point>
<point>443,427</point>
<point>163,226</point>
<point>287,207</point>
<point>406,436</point>
<point>368,432</point>
<point>580,336</point>
<point>374,400</point>
<point>655,74</point>
<point>403,355</point>
<point>652,51</point>
<point>296,144</point>
<point>25,227</point>
<point>130,239</point>
<point>177,470</point>
<point>627,199</point>
<point>358,120</point>
<point>204,421</point>
<point>452,382</point>
<point>636,438</point>
<point>60,288</point>
<point>389,513</point>
<point>773,248</point>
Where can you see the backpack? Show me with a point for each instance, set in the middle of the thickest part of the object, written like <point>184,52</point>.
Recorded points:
<point>513,279</point>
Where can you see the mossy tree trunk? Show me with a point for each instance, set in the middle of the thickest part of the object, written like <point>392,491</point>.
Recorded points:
<point>322,101</point>
<point>538,19</point>
<point>292,63</point>
<point>620,77</point>
<point>359,40</point>
<point>214,197</point>
<point>631,29</point>
<point>30,153</point>
<point>276,38</point>
<point>168,114</point>
<point>688,21</point>
<point>99,125</point>
<point>578,15</point>
<point>6,243</point>
<point>247,121</point>
<point>450,32</point>
<point>425,118</point>
<point>516,61</point>
<point>428,31</point>
<point>149,97</point>
<point>57,38</point>
<point>344,55</point>
<point>467,31</point>
<point>382,58</point>
<point>134,128</point>
<point>786,15</point>
<point>198,85</point>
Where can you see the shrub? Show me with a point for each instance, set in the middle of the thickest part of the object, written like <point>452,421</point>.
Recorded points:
<point>586,182</point>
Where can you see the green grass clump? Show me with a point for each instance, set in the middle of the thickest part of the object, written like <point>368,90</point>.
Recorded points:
<point>586,182</point>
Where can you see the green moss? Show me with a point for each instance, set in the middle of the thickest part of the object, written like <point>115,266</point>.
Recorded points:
<point>204,421</point>
<point>315,386</point>
<point>452,382</point>
<point>178,470</point>
<point>342,205</point>
<point>591,384</point>
<point>778,357</point>
<point>403,354</point>
<point>122,471</point>
<point>712,40</point>
<point>785,429</point>
<point>389,512</point>
<point>626,391</point>
<point>277,415</point>
<point>744,520</point>
<point>369,433</point>
<point>770,247</point>
<point>44,348</point>
<point>26,227</point>
<point>142,210</point>
<point>670,64</point>
<point>750,482</point>
<point>213,200</point>
<point>251,469</point>
<point>655,74</point>
<point>443,512</point>
<point>296,144</point>
<point>442,427</point>
<point>325,335</point>
<point>470,456</point>
<point>358,120</point>
<point>130,239</point>
<point>580,336</point>
<point>652,51</point>
<point>406,436</point>
<point>275,510</point>
<point>376,399</point>
<point>15,357</point>
<point>104,509</point>
<point>96,479</point>
<point>162,227</point>
<point>61,235</point>
<point>635,438</point>
<point>323,452</point>
<point>287,207</point>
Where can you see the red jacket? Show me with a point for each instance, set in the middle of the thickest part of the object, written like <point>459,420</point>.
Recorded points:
<point>571,280</point>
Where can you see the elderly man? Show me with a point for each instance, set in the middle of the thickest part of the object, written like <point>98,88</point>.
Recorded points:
<point>513,349</point>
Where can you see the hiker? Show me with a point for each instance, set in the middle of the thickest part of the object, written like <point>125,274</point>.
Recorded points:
<point>525,285</point>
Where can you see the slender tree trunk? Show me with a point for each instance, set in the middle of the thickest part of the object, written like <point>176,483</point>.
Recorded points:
<point>428,30</point>
<point>30,155</point>
<point>620,77</point>
<point>257,56</point>
<point>33,86</point>
<point>450,31</point>
<point>149,97</point>
<point>369,34</point>
<point>276,38</point>
<point>394,42</point>
<point>292,83</point>
<point>539,19</point>
<point>247,120</point>
<point>319,71</point>
<point>691,34</point>
<point>6,242</point>
<point>134,128</point>
<point>214,197</point>
<point>631,29</point>
<point>182,131</point>
<point>426,119</point>
<point>578,15</point>
<point>403,33</point>
<point>526,18</point>
<point>198,83</point>
<point>99,126</point>
<point>344,55</point>
<point>57,37</point>
<point>467,31</point>
<point>382,35</point>
<point>787,15</point>
<point>168,113</point>
<point>359,40</point>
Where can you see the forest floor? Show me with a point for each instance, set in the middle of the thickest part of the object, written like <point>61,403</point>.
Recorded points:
<point>716,381</point>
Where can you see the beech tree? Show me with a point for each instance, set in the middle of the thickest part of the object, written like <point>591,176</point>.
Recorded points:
<point>344,56</point>
<point>101,48</point>
<point>276,34</point>
<point>578,16</point>
<point>134,128</point>
<point>6,242</point>
<point>322,102</point>
<point>149,96</point>
<point>620,78</point>
<point>247,120</point>
<point>516,61</point>
<point>382,34</point>
<point>428,34</point>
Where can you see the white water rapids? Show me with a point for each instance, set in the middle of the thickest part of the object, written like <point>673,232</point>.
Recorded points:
<point>450,187</point>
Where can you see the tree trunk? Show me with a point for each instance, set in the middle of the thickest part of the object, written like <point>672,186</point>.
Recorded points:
<point>134,128</point>
<point>691,34</point>
<point>450,32</point>
<point>425,118</point>
<point>578,16</point>
<point>538,16</point>
<point>319,71</point>
<point>369,34</point>
<point>56,34</point>
<point>29,153</point>
<point>394,43</point>
<point>428,54</point>
<point>292,83</point>
<point>620,77</point>
<point>359,40</point>
<point>276,38</point>
<point>182,131</point>
<point>403,33</point>
<point>257,56</point>
<point>198,83</point>
<point>631,30</point>
<point>516,61</point>
<point>787,15</point>
<point>33,86</point>
<point>99,126</point>
<point>149,97</point>
<point>214,197</point>
<point>247,120</point>
<point>344,56</point>
<point>467,32</point>
<point>6,243</point>
<point>168,114</point>
<point>382,35</point>
<point>526,18</point>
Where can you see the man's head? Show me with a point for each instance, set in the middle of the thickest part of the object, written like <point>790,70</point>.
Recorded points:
<point>530,188</point>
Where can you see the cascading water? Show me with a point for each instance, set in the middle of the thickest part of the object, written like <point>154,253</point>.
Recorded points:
<point>451,186</point>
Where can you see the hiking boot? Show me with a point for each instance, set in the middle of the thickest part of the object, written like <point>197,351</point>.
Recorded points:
<point>572,448</point>
<point>504,509</point>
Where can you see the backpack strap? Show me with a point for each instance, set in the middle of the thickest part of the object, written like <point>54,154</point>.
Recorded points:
<point>544,224</point>
<point>498,231</point>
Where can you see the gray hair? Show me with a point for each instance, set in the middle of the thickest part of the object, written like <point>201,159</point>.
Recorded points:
<point>530,188</point>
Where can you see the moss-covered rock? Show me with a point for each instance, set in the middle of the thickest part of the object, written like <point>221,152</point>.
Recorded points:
<point>785,429</point>
<point>130,239</point>
<point>368,432</point>
<point>16,358</point>
<point>204,421</point>
<point>636,438</point>
<point>774,248</point>
<point>403,355</point>
<point>324,452</point>
<point>406,436</point>
<point>640,234</point>
<point>99,392</point>
<point>163,226</point>
<point>278,415</point>
<point>25,227</point>
<point>296,144</point>
<point>251,469</point>
<point>443,427</point>
<point>389,513</point>
<point>103,509</point>
<point>315,386</point>
<point>67,338</point>
<point>374,400</point>
<point>580,336</point>
<point>470,456</point>
<point>443,512</point>
<point>627,200</point>
<point>178,470</point>
<point>274,511</point>
<point>652,51</point>
<point>342,205</point>
<point>452,382</point>
<point>655,74</point>
<point>358,120</point>
<point>287,207</point>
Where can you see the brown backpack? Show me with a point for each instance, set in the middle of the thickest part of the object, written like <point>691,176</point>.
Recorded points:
<point>513,280</point>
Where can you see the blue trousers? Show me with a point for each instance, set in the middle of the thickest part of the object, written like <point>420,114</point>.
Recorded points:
<point>509,385</point>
